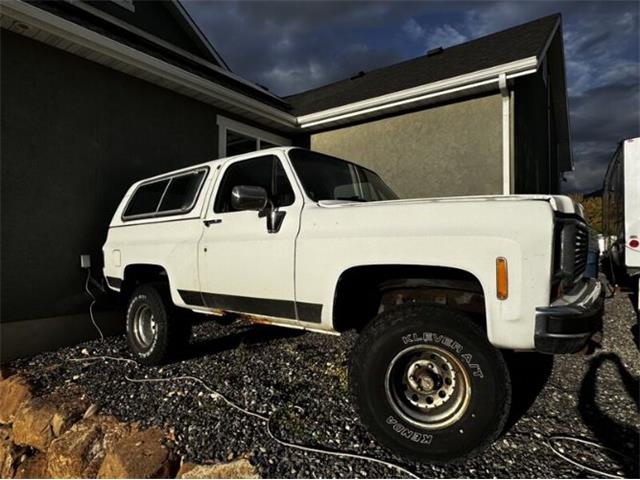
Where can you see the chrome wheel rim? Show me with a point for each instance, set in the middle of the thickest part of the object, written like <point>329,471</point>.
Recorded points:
<point>428,387</point>
<point>145,327</point>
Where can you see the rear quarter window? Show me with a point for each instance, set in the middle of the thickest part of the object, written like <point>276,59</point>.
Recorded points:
<point>182,192</point>
<point>145,199</point>
<point>167,196</point>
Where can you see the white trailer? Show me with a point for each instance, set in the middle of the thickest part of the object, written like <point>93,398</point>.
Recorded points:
<point>621,212</point>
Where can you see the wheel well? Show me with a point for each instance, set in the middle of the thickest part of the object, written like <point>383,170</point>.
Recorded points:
<point>363,292</point>
<point>135,275</point>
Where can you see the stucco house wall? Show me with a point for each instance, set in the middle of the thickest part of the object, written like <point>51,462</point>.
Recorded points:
<point>453,149</point>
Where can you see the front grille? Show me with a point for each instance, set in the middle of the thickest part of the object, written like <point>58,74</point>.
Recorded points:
<point>571,250</point>
<point>581,251</point>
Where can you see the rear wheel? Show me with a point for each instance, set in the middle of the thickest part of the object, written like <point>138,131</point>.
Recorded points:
<point>428,384</point>
<point>156,330</point>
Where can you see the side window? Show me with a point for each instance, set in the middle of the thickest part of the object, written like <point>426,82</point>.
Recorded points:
<point>182,192</point>
<point>265,172</point>
<point>167,196</point>
<point>281,191</point>
<point>145,199</point>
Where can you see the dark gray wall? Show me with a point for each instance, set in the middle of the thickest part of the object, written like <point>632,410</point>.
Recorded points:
<point>74,136</point>
<point>536,147</point>
<point>155,18</point>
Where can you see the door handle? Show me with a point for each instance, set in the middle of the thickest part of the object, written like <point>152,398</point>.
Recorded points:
<point>213,220</point>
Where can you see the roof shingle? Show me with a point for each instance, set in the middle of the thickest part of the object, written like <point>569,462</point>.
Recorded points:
<point>509,45</point>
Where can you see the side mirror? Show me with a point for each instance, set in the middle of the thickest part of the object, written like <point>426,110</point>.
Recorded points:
<point>247,197</point>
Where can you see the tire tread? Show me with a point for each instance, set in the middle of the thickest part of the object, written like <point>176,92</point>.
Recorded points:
<point>392,318</point>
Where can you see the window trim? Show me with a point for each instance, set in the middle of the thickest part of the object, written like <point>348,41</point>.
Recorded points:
<point>166,213</point>
<point>223,174</point>
<point>225,124</point>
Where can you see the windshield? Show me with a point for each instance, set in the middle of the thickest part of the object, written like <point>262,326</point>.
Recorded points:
<point>329,178</point>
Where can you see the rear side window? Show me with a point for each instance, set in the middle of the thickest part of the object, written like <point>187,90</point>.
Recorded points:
<point>146,198</point>
<point>167,196</point>
<point>182,192</point>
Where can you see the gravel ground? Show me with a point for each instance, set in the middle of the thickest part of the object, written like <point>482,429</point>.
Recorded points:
<point>300,378</point>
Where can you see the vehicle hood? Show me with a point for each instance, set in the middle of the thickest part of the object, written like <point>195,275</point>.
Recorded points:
<point>559,203</point>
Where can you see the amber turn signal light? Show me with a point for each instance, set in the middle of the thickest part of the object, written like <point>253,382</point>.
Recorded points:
<point>502,278</point>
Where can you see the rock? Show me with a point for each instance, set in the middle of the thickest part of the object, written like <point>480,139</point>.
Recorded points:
<point>141,454</point>
<point>237,469</point>
<point>9,453</point>
<point>6,371</point>
<point>79,452</point>
<point>91,411</point>
<point>34,466</point>
<point>40,420</point>
<point>14,391</point>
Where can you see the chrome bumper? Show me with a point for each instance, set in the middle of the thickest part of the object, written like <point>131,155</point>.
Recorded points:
<point>568,323</point>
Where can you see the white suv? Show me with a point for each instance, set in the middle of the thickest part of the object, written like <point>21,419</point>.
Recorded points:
<point>436,287</point>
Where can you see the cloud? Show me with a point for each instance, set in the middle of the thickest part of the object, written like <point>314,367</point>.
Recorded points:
<point>445,36</point>
<point>291,47</point>
<point>414,30</point>
<point>295,46</point>
<point>432,37</point>
<point>601,117</point>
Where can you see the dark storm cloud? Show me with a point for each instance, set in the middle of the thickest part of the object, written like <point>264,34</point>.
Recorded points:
<point>291,47</point>
<point>601,117</point>
<point>295,46</point>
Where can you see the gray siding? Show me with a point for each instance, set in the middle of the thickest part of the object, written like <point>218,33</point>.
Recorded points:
<point>155,18</point>
<point>75,135</point>
<point>537,167</point>
<point>454,149</point>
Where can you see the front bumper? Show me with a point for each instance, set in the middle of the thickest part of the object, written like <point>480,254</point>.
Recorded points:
<point>567,325</point>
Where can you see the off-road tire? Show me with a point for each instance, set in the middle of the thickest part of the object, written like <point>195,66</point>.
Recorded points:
<point>430,326</point>
<point>173,328</point>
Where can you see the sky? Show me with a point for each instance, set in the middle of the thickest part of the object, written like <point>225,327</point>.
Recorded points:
<point>294,46</point>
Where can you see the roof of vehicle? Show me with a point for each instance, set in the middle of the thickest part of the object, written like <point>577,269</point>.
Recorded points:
<point>216,163</point>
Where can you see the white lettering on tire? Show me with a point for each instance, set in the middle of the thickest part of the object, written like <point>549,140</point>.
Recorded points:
<point>428,337</point>
<point>422,438</point>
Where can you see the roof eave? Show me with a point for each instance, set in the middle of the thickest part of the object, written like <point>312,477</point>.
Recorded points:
<point>131,60</point>
<point>197,35</point>
<point>412,95</point>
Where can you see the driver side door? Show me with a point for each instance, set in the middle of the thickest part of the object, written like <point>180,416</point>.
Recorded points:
<point>242,267</point>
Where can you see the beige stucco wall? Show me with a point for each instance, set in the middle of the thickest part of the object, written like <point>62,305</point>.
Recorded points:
<point>454,149</point>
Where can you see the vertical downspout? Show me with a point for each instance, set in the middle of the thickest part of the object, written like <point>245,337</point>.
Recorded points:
<point>506,134</point>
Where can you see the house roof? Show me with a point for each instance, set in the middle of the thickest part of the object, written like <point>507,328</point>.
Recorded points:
<point>522,41</point>
<point>99,21</point>
<point>475,67</point>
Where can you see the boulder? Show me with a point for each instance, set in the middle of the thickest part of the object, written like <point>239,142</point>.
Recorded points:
<point>10,454</point>
<point>14,391</point>
<point>34,466</point>
<point>140,454</point>
<point>79,452</point>
<point>40,420</point>
<point>6,371</point>
<point>237,469</point>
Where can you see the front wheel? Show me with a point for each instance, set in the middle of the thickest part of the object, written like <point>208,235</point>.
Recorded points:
<point>428,384</point>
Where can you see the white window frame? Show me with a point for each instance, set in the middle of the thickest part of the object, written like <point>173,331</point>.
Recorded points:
<point>225,124</point>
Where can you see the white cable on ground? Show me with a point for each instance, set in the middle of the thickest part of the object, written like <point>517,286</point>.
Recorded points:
<point>93,302</point>
<point>578,464</point>
<point>266,419</point>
